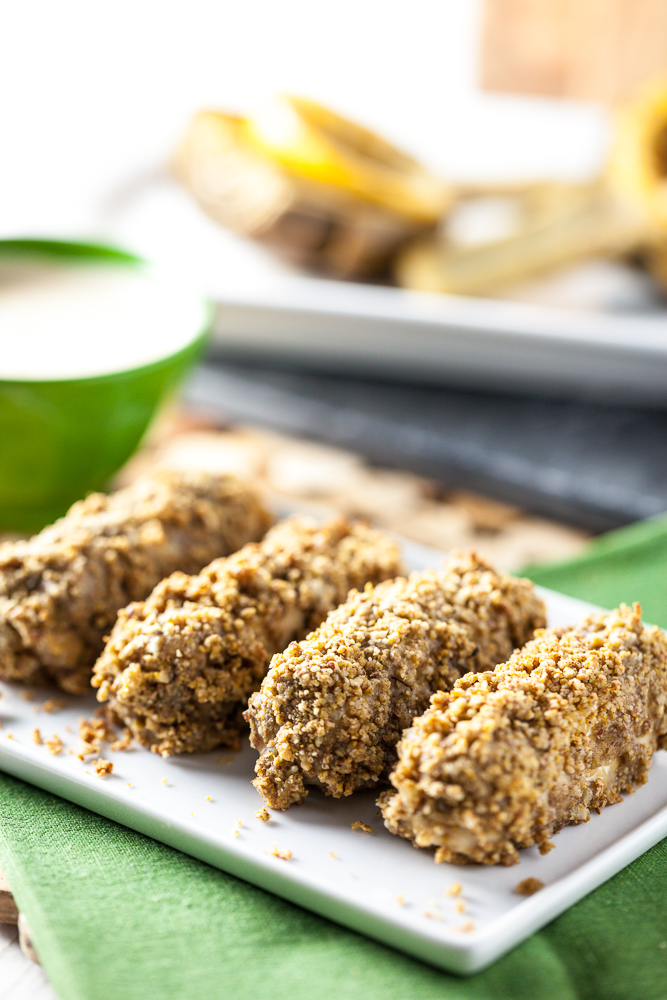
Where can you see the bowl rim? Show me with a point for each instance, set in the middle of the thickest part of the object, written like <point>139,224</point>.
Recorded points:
<point>95,253</point>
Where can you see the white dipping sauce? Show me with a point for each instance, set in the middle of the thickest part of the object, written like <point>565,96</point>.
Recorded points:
<point>67,322</point>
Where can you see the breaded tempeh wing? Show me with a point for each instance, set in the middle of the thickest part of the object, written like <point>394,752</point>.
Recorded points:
<point>332,708</point>
<point>60,591</point>
<point>508,757</point>
<point>179,667</point>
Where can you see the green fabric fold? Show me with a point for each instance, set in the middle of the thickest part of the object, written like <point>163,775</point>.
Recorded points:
<point>115,915</point>
<point>622,566</point>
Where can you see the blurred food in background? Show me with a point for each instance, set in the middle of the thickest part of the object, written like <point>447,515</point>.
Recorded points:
<point>337,199</point>
<point>622,213</point>
<point>315,187</point>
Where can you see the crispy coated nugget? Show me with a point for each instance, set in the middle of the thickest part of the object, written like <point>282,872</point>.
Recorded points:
<point>508,757</point>
<point>60,590</point>
<point>332,708</point>
<point>179,667</point>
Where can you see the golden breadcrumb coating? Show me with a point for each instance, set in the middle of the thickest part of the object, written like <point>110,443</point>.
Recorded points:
<point>179,667</point>
<point>332,708</point>
<point>60,591</point>
<point>508,757</point>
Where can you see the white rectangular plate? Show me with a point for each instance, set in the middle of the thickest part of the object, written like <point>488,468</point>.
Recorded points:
<point>377,884</point>
<point>463,342</point>
<point>608,343</point>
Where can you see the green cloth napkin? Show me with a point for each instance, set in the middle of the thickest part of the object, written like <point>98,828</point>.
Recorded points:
<point>116,916</point>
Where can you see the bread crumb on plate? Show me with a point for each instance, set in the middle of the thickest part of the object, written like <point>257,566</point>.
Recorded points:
<point>102,767</point>
<point>529,886</point>
<point>284,855</point>
<point>124,743</point>
<point>360,827</point>
<point>52,705</point>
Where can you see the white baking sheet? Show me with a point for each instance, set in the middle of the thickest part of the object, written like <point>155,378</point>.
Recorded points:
<point>374,883</point>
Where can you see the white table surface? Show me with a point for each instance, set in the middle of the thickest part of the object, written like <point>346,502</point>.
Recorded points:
<point>20,979</point>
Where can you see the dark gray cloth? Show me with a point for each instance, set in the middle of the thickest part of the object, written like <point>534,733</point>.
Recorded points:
<point>598,467</point>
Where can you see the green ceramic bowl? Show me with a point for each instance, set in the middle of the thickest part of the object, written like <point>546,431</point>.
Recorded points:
<point>63,438</point>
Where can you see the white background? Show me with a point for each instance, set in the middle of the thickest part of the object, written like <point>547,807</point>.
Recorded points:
<point>93,96</point>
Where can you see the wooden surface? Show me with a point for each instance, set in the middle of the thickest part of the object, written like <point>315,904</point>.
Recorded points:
<point>21,977</point>
<point>9,913</point>
<point>587,49</point>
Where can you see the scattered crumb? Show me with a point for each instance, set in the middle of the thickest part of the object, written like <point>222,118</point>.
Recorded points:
<point>52,705</point>
<point>54,745</point>
<point>285,855</point>
<point>360,827</point>
<point>92,733</point>
<point>129,784</point>
<point>124,743</point>
<point>466,927</point>
<point>334,855</point>
<point>164,781</point>
<point>36,736</point>
<point>102,767</point>
<point>433,914</point>
<point>460,906</point>
<point>69,750</point>
<point>10,735</point>
<point>96,730</point>
<point>235,831</point>
<point>239,822</point>
<point>263,814</point>
<point>208,799</point>
<point>400,899</point>
<point>225,760</point>
<point>27,696</point>
<point>529,886</point>
<point>454,889</point>
<point>351,874</point>
<point>68,729</point>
